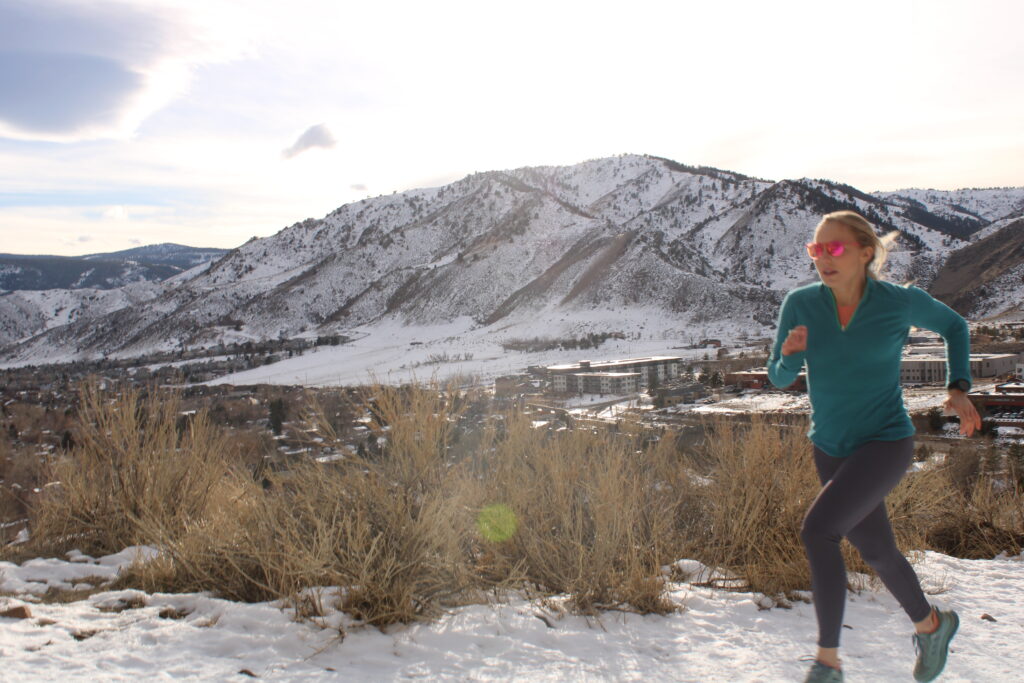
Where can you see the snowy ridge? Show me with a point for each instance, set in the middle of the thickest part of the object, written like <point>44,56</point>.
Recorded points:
<point>567,243</point>
<point>983,205</point>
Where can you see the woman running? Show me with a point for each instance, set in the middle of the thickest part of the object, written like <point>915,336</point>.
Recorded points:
<point>849,330</point>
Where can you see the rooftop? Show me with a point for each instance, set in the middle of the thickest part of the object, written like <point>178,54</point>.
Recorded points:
<point>614,363</point>
<point>974,356</point>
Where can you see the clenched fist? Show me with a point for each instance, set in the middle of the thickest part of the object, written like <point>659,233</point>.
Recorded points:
<point>796,341</point>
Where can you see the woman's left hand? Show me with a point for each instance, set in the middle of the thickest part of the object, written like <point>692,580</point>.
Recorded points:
<point>961,405</point>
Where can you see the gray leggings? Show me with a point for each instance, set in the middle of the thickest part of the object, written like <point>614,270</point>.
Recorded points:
<point>851,504</point>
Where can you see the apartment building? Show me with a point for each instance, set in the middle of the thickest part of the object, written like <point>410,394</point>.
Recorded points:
<point>613,376</point>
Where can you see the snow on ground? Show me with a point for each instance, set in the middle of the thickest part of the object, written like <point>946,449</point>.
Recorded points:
<point>770,402</point>
<point>392,352</point>
<point>916,399</point>
<point>130,635</point>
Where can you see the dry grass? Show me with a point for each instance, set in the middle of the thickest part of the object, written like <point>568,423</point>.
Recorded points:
<point>405,530</point>
<point>595,515</point>
<point>760,484</point>
<point>762,479</point>
<point>983,512</point>
<point>136,467</point>
<point>393,530</point>
<point>455,502</point>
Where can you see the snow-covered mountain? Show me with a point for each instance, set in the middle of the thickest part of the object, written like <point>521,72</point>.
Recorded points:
<point>167,253</point>
<point>101,271</point>
<point>590,241</point>
<point>962,212</point>
<point>29,312</point>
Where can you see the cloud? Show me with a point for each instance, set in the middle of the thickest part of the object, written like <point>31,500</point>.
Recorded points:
<point>359,187</point>
<point>316,136</point>
<point>72,70</point>
<point>85,238</point>
<point>52,93</point>
<point>116,213</point>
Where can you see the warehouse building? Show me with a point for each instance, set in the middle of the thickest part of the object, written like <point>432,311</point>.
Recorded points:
<point>931,368</point>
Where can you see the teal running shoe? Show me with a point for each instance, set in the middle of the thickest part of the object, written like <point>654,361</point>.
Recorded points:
<point>821,673</point>
<point>933,647</point>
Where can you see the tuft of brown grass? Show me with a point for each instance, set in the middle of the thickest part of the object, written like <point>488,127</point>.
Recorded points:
<point>983,515</point>
<point>761,481</point>
<point>137,467</point>
<point>21,475</point>
<point>596,515</point>
<point>391,528</point>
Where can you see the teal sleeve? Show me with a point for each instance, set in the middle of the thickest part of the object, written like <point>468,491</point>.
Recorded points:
<point>936,316</point>
<point>783,370</point>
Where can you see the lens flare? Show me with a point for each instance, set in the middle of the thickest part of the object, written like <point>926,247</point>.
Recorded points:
<point>497,522</point>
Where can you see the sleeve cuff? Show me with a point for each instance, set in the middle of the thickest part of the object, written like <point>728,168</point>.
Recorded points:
<point>792,362</point>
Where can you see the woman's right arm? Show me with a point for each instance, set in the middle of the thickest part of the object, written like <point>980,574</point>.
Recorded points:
<point>783,369</point>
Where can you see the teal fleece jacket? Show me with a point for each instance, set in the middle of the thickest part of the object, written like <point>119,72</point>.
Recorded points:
<point>853,374</point>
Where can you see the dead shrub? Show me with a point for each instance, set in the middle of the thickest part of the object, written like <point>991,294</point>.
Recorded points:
<point>761,482</point>
<point>392,530</point>
<point>762,479</point>
<point>963,467</point>
<point>981,521</point>
<point>136,469</point>
<point>401,524</point>
<point>22,474</point>
<point>919,502</point>
<point>594,515</point>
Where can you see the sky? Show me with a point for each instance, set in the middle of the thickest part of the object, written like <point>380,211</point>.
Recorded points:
<point>208,122</point>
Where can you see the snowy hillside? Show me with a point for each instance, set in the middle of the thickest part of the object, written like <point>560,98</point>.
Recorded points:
<point>26,313</point>
<point>565,245</point>
<point>970,208</point>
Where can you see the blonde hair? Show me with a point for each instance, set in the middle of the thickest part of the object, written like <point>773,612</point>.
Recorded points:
<point>865,235</point>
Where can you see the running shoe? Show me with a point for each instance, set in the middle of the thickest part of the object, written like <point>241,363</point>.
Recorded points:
<point>932,648</point>
<point>822,673</point>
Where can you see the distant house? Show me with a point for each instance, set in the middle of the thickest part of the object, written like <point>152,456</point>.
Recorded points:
<point>717,343</point>
<point>505,386</point>
<point>511,385</point>
<point>683,393</point>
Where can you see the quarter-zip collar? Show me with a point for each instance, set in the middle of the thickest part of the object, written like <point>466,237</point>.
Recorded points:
<point>827,292</point>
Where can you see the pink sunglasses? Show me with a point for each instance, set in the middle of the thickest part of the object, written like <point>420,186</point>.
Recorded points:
<point>834,248</point>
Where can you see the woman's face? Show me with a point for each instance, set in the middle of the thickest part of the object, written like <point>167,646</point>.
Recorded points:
<point>848,268</point>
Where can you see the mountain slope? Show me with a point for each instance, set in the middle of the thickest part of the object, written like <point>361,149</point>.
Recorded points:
<point>985,277</point>
<point>24,314</point>
<point>564,244</point>
<point>960,213</point>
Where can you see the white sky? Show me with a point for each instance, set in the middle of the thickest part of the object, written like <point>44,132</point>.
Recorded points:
<point>201,99</point>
